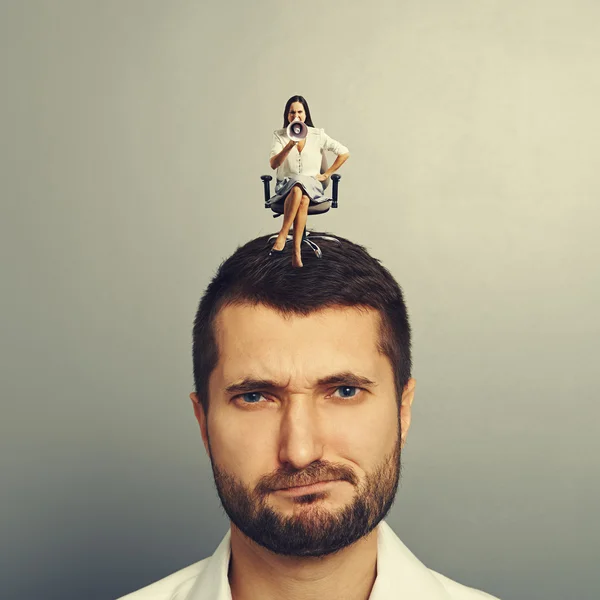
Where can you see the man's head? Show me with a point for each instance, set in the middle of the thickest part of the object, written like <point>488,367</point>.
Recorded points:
<point>303,376</point>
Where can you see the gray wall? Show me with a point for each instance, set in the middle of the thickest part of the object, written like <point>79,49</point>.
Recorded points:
<point>133,134</point>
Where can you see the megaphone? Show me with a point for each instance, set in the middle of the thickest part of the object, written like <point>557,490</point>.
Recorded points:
<point>297,130</point>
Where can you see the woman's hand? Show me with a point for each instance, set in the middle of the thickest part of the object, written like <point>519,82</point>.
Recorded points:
<point>321,177</point>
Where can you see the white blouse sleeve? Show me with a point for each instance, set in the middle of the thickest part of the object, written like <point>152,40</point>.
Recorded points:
<point>277,145</point>
<point>332,145</point>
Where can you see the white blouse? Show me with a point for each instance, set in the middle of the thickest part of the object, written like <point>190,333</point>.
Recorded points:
<point>307,162</point>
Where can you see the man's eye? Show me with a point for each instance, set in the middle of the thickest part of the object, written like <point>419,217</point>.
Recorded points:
<point>347,391</point>
<point>251,397</point>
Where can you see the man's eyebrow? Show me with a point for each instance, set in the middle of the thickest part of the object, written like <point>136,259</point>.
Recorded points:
<point>344,378</point>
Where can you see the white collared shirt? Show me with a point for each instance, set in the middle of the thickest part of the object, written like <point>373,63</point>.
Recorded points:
<point>400,575</point>
<point>307,162</point>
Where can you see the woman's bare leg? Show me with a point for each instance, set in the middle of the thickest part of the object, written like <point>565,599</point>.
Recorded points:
<point>290,208</point>
<point>299,224</point>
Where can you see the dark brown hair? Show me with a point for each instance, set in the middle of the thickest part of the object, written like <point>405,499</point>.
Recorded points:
<point>346,275</point>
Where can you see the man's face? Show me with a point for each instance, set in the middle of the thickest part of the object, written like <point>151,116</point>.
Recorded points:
<point>303,401</point>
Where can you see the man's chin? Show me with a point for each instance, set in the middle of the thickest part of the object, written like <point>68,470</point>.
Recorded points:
<point>309,517</point>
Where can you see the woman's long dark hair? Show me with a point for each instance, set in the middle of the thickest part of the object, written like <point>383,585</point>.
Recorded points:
<point>304,103</point>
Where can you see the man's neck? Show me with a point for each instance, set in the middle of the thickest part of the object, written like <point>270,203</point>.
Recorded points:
<point>255,572</point>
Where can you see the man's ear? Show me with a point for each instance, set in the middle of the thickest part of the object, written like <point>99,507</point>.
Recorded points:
<point>201,418</point>
<point>408,395</point>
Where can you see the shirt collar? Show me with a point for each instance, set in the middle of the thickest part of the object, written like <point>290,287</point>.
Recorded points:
<point>212,583</point>
<point>399,572</point>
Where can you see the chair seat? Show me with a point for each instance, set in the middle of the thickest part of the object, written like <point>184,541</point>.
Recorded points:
<point>277,206</point>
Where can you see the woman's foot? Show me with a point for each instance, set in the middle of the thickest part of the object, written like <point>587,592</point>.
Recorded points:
<point>297,259</point>
<point>279,244</point>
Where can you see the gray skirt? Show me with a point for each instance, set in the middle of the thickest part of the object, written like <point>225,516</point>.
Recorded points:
<point>311,186</point>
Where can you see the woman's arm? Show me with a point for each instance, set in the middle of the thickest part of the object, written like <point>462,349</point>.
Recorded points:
<point>277,159</point>
<point>337,163</point>
<point>342,152</point>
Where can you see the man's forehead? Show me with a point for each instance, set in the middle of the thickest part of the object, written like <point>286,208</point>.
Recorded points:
<point>254,315</point>
<point>257,341</point>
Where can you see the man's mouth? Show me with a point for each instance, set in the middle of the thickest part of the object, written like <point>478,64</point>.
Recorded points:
<point>312,488</point>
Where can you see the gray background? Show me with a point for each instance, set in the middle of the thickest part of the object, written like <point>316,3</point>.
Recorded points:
<point>133,136</point>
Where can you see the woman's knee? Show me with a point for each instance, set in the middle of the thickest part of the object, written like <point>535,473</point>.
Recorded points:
<point>304,202</point>
<point>294,196</point>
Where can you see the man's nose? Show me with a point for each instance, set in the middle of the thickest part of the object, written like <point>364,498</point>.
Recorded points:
<point>301,439</point>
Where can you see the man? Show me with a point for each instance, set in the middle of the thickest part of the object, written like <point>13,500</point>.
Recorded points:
<point>303,397</point>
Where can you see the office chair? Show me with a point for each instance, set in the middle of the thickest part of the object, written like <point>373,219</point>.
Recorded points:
<point>275,203</point>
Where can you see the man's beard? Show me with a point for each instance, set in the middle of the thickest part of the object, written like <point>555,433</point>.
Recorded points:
<point>315,530</point>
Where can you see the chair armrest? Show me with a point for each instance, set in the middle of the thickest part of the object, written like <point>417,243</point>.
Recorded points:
<point>334,196</point>
<point>266,179</point>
